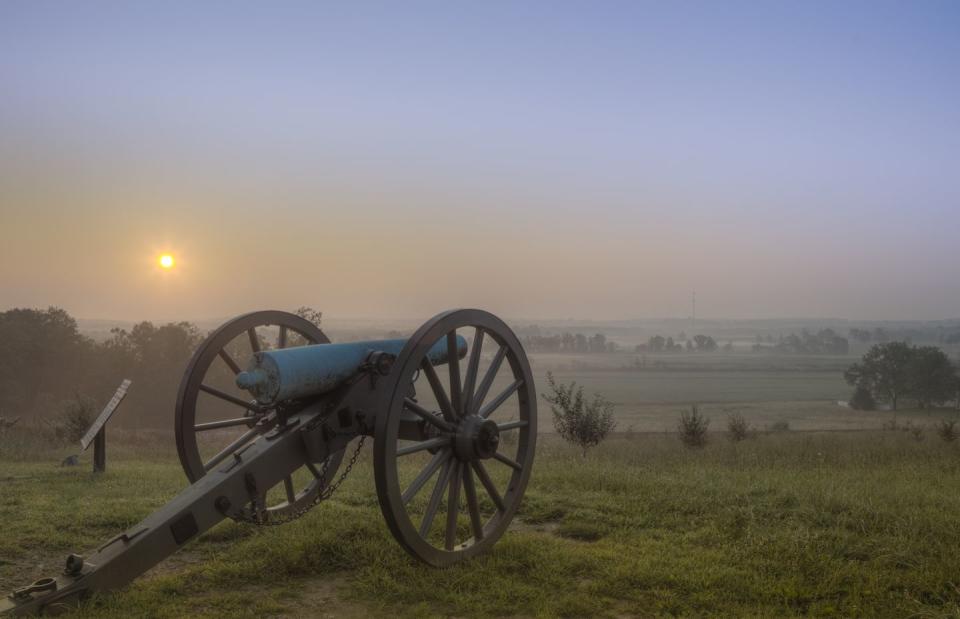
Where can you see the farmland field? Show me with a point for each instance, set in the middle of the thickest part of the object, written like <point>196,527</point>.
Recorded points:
<point>804,521</point>
<point>787,524</point>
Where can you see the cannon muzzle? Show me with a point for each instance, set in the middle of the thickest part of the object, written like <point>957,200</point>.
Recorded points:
<point>306,371</point>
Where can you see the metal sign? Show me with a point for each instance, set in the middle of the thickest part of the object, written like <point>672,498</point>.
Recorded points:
<point>105,414</point>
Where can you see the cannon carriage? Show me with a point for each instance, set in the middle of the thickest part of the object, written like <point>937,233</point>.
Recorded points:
<point>270,418</point>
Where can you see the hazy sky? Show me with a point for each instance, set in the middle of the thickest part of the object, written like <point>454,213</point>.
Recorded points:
<point>588,159</point>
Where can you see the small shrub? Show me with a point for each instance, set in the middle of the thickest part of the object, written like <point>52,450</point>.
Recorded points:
<point>693,428</point>
<point>862,400</point>
<point>73,419</point>
<point>582,423</point>
<point>947,430</point>
<point>917,432</point>
<point>737,427</point>
<point>780,426</point>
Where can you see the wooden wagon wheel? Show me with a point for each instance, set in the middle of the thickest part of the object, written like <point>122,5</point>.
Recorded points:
<point>481,458</point>
<point>208,390</point>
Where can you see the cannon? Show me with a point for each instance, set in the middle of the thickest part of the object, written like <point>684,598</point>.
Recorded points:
<point>266,414</point>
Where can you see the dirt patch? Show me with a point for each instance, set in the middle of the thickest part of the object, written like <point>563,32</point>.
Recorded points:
<point>540,527</point>
<point>319,597</point>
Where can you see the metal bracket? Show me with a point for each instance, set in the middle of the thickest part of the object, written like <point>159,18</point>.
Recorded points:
<point>124,537</point>
<point>38,586</point>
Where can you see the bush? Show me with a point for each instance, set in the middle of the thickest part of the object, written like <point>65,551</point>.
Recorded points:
<point>582,423</point>
<point>74,419</point>
<point>737,428</point>
<point>693,428</point>
<point>780,426</point>
<point>947,430</point>
<point>862,400</point>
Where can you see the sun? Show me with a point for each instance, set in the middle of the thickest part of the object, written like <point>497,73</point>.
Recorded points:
<point>166,261</point>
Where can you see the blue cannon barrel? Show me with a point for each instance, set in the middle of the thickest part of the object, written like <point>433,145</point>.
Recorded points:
<point>292,373</point>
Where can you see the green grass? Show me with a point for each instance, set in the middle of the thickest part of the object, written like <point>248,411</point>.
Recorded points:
<point>851,524</point>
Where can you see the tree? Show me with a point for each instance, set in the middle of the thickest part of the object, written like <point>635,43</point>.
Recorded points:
<point>862,399</point>
<point>581,343</point>
<point>705,343</point>
<point>884,371</point>
<point>308,313</point>
<point>598,343</point>
<point>41,353</point>
<point>582,423</point>
<point>153,358</point>
<point>931,375</point>
<point>656,343</point>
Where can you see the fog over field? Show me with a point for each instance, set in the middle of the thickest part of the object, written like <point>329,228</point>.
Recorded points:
<point>707,358</point>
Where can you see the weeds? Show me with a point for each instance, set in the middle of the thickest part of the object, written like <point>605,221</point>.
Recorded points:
<point>693,428</point>
<point>947,430</point>
<point>737,427</point>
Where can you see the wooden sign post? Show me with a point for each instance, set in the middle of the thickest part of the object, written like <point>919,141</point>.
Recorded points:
<point>97,433</point>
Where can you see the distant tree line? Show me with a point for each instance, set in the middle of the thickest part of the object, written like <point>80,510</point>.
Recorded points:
<point>823,342</point>
<point>699,343</point>
<point>881,335</point>
<point>569,342</point>
<point>894,371</point>
<point>46,361</point>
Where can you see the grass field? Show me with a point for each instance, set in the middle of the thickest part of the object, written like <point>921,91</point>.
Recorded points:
<point>852,524</point>
<point>811,521</point>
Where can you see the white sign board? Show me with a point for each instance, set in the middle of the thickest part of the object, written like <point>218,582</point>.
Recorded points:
<point>105,414</point>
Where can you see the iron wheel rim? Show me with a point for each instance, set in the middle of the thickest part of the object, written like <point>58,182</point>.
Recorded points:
<point>386,468</point>
<point>185,426</point>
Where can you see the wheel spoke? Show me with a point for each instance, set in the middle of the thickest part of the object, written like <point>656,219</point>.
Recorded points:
<point>229,361</point>
<point>512,425</point>
<point>226,423</point>
<point>435,499</point>
<point>420,481</point>
<point>473,506</point>
<point>511,463</point>
<point>254,339</point>
<point>488,484</point>
<point>313,469</point>
<point>501,398</point>
<point>288,486</point>
<point>453,507</point>
<point>282,338</point>
<point>453,364</point>
<point>473,366</point>
<point>488,378</point>
<point>232,447</point>
<point>440,441</point>
<point>229,398</point>
<point>438,391</point>
<point>426,415</point>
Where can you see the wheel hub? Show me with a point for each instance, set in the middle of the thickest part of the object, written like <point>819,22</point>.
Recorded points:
<point>476,438</point>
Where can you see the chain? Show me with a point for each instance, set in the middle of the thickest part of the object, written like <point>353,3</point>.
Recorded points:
<point>263,518</point>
